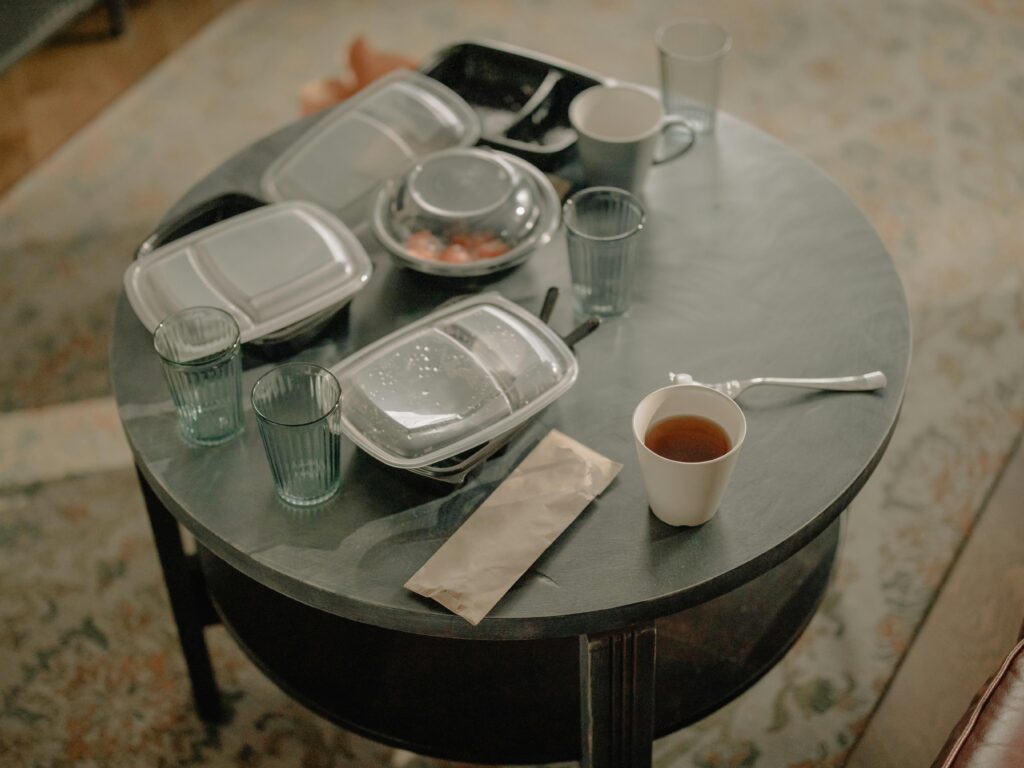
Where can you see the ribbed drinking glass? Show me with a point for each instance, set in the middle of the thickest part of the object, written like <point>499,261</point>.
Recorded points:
<point>298,409</point>
<point>690,54</point>
<point>200,351</point>
<point>602,231</point>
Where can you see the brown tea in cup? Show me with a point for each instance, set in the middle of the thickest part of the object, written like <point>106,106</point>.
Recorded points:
<point>687,438</point>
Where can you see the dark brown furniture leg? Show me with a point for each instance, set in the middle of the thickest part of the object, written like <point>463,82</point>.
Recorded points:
<point>117,11</point>
<point>617,698</point>
<point>190,603</point>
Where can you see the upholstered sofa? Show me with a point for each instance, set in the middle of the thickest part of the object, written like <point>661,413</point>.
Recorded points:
<point>991,732</point>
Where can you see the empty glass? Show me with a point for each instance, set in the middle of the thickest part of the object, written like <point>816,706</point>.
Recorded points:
<point>199,348</point>
<point>690,52</point>
<point>602,231</point>
<point>298,409</point>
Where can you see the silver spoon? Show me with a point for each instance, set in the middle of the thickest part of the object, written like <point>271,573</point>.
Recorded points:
<point>866,382</point>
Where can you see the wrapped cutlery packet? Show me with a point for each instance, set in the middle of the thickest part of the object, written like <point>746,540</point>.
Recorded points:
<point>524,515</point>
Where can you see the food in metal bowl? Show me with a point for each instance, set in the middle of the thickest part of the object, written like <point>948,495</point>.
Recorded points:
<point>457,248</point>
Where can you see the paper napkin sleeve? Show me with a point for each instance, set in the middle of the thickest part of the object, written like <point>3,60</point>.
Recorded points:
<point>523,516</point>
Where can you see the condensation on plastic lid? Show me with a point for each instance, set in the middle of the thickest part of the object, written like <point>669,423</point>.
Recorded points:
<point>452,380</point>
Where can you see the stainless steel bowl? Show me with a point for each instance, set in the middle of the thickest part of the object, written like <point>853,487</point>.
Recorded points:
<point>466,212</point>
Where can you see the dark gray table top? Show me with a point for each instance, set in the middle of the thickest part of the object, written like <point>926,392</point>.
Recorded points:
<point>754,263</point>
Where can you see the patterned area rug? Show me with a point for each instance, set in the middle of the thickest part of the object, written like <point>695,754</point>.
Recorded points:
<point>915,107</point>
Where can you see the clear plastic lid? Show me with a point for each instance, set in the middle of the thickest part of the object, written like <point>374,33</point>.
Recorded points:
<point>453,380</point>
<point>465,185</point>
<point>378,133</point>
<point>270,268</point>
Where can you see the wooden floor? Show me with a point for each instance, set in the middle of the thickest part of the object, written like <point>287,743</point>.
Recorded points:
<point>970,629</point>
<point>47,96</point>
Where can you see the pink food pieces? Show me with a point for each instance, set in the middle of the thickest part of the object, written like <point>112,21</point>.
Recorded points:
<point>461,248</point>
<point>456,254</point>
<point>424,244</point>
<point>481,245</point>
<point>469,240</point>
<point>490,249</point>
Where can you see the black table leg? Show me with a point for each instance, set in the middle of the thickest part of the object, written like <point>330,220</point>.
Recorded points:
<point>189,603</point>
<point>117,10</point>
<point>617,698</point>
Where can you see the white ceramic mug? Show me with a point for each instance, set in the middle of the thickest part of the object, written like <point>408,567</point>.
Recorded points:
<point>679,492</point>
<point>619,127</point>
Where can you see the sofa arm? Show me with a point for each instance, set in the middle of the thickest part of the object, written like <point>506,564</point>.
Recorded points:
<point>991,732</point>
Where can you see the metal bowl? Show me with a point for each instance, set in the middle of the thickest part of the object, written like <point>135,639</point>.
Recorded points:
<point>465,213</point>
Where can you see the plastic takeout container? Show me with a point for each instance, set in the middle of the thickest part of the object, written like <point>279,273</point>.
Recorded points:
<point>277,269</point>
<point>457,378</point>
<point>375,135</point>
<point>521,96</point>
<point>466,212</point>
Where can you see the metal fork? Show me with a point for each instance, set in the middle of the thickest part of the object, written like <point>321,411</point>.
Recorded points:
<point>866,382</point>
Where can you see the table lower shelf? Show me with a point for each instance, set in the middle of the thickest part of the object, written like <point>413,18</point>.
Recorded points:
<point>510,701</point>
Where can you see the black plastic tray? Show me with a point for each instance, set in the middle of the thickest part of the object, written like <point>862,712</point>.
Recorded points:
<point>205,214</point>
<point>521,97</point>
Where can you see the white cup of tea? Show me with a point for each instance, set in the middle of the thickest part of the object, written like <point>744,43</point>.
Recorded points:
<point>619,128</point>
<point>704,430</point>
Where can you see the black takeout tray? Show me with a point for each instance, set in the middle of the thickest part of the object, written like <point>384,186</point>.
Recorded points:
<point>205,214</point>
<point>521,97</point>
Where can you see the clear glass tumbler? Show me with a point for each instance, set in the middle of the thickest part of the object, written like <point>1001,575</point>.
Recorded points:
<point>602,231</point>
<point>690,52</point>
<point>200,351</point>
<point>298,409</point>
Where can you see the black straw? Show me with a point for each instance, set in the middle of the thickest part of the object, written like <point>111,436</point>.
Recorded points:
<point>581,331</point>
<point>549,304</point>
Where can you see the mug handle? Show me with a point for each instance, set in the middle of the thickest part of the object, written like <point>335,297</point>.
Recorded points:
<point>674,121</point>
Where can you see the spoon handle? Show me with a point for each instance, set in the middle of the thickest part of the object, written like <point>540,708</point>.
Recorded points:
<point>862,383</point>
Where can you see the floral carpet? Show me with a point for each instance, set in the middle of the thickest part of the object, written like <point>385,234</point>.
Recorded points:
<point>915,107</point>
